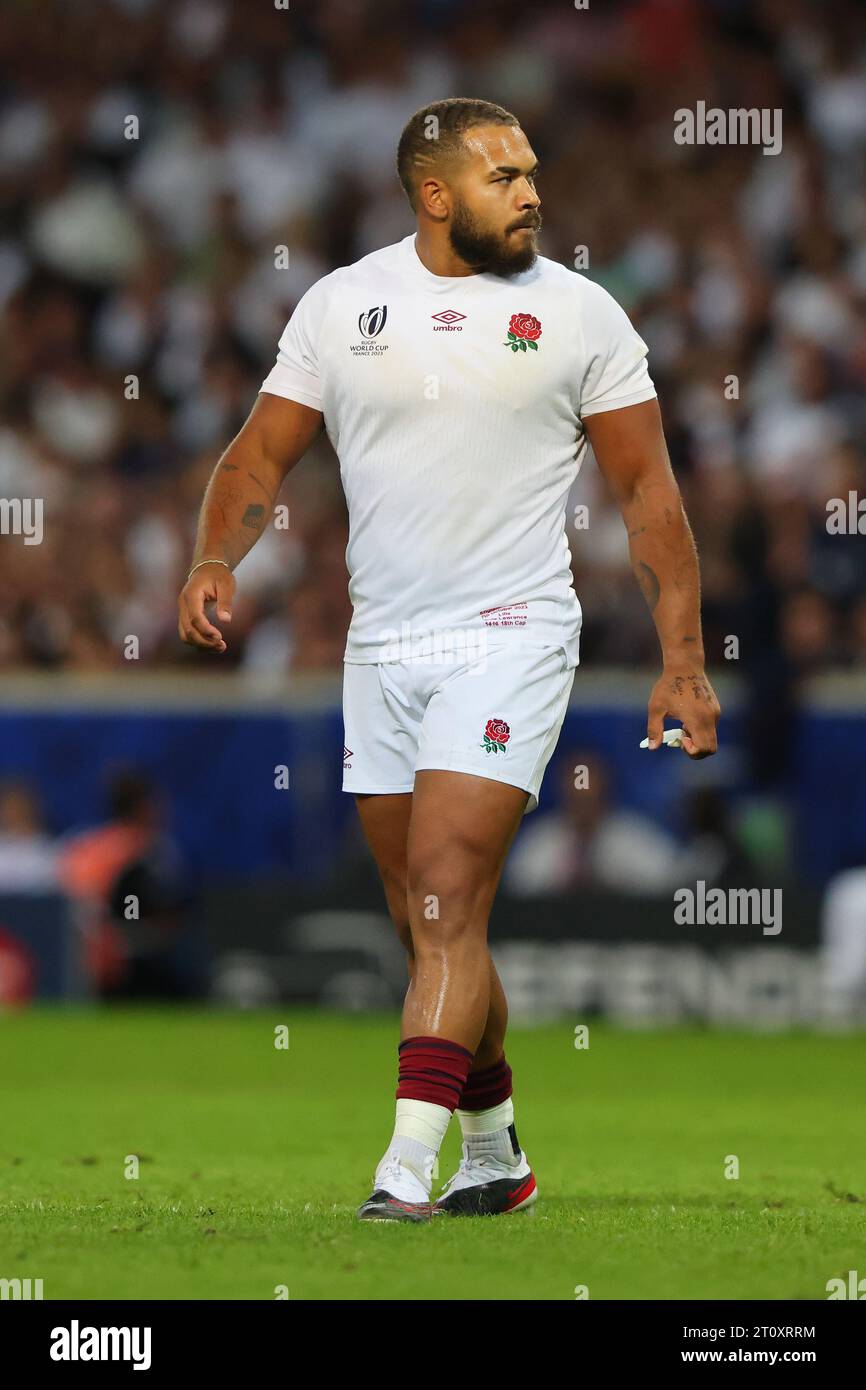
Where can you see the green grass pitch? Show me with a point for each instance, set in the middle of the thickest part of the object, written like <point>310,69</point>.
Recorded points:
<point>253,1159</point>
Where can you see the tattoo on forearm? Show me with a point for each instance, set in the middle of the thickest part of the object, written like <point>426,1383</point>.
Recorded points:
<point>649,584</point>
<point>253,516</point>
<point>262,486</point>
<point>224,507</point>
<point>233,495</point>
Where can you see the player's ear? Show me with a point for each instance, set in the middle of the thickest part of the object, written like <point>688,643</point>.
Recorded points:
<point>435,198</point>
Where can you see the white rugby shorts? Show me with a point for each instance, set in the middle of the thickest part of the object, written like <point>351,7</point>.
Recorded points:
<point>498,715</point>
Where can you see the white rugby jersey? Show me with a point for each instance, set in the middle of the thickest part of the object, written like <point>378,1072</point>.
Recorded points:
<point>455,407</point>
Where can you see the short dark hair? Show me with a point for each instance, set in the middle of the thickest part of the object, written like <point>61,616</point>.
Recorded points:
<point>453,117</point>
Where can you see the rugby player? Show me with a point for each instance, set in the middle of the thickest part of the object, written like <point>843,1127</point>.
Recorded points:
<point>460,377</point>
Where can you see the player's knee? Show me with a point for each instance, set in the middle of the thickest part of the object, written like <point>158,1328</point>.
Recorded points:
<point>448,867</point>
<point>445,889</point>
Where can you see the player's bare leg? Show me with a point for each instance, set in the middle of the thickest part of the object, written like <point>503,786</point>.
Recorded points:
<point>385,822</point>
<point>459,834</point>
<point>456,830</point>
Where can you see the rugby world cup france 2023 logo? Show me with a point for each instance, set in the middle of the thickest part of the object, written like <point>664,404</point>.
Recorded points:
<point>371,323</point>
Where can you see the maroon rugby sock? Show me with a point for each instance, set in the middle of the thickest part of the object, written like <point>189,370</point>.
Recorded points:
<point>488,1087</point>
<point>433,1069</point>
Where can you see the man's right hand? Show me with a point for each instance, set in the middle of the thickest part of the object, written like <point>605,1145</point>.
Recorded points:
<point>209,583</point>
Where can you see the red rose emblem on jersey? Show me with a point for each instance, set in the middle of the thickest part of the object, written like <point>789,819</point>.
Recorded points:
<point>525,326</point>
<point>496,736</point>
<point>524,330</point>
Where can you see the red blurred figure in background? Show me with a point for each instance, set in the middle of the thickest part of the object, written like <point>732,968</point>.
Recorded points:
<point>126,878</point>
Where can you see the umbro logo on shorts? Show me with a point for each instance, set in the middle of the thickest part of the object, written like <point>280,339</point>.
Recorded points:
<point>347,754</point>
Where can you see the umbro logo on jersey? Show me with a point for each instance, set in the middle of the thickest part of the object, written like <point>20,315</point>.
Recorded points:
<point>371,323</point>
<point>448,321</point>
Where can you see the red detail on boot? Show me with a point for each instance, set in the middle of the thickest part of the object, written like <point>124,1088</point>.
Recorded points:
<point>520,1194</point>
<point>433,1069</point>
<point>487,1088</point>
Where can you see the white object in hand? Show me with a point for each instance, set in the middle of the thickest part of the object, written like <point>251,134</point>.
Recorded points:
<point>673,738</point>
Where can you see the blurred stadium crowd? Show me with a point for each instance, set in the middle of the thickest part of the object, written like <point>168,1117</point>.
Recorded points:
<point>257,127</point>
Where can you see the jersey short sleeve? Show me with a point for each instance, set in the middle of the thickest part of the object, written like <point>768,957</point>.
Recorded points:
<point>295,374</point>
<point>615,373</point>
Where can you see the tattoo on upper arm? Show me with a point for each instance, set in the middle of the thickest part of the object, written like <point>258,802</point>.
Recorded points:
<point>228,468</point>
<point>649,584</point>
<point>253,516</point>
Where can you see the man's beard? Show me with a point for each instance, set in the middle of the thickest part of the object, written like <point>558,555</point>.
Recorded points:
<point>499,254</point>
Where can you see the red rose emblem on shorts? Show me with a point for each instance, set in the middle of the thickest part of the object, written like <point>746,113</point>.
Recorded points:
<point>496,736</point>
<point>523,332</point>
